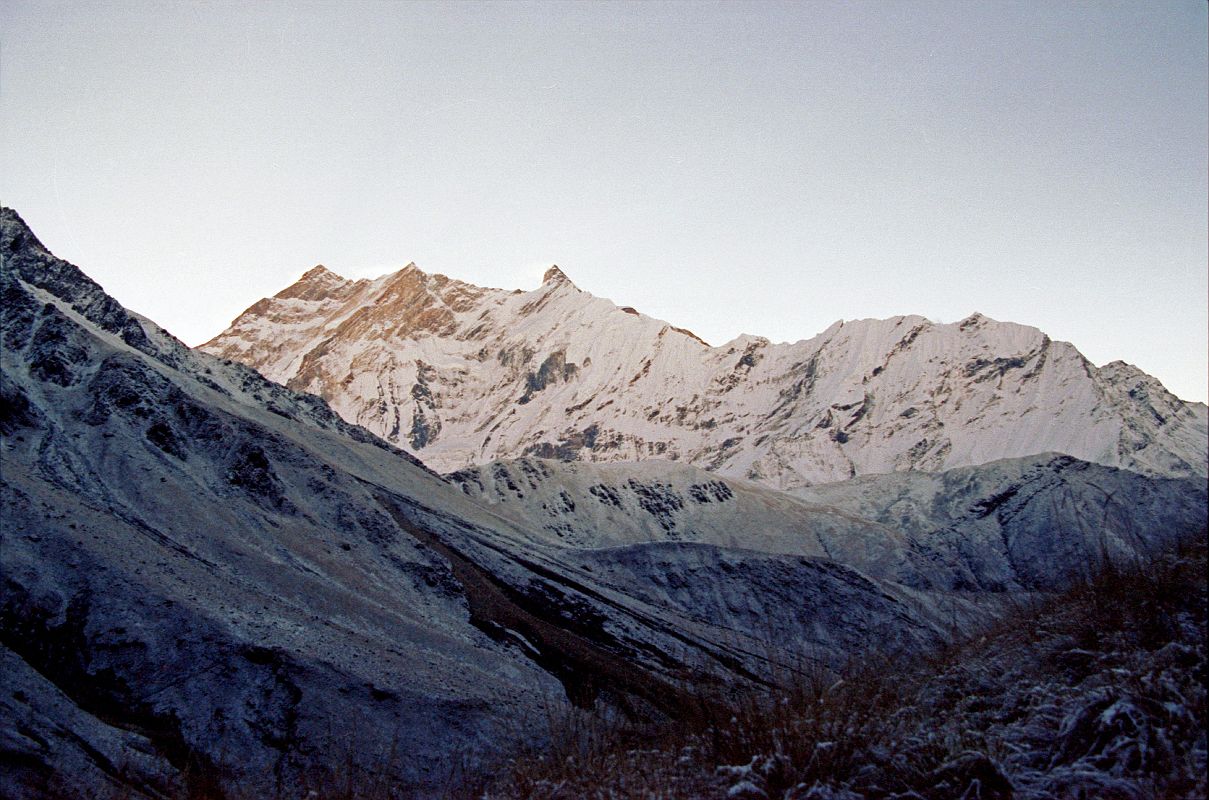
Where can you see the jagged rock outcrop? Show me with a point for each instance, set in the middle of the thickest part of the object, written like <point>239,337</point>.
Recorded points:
<point>463,375</point>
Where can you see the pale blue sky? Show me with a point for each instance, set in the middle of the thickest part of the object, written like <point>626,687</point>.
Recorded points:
<point>762,168</point>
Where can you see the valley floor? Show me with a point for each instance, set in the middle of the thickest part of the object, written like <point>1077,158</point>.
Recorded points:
<point>1097,693</point>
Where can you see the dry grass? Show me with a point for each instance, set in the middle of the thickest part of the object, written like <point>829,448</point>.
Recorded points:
<point>1099,691</point>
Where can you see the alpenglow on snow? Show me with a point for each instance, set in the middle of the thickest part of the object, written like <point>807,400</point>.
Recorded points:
<point>462,375</point>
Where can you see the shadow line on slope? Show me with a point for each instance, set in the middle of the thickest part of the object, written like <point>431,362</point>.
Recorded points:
<point>567,646</point>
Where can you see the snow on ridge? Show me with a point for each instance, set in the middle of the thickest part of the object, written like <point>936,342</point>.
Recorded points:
<point>463,375</point>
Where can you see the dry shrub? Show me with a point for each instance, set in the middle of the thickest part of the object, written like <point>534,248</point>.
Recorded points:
<point>1095,691</point>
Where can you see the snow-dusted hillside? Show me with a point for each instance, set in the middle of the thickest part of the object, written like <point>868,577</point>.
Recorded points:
<point>1014,525</point>
<point>463,375</point>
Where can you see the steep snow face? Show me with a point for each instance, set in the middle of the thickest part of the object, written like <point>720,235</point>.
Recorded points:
<point>462,375</point>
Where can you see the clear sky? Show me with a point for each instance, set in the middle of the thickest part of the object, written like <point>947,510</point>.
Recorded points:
<point>762,168</point>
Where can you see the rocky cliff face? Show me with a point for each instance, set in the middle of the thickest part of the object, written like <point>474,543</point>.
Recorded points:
<point>462,375</point>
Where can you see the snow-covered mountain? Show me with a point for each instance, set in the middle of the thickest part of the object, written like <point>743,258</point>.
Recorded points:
<point>463,375</point>
<point>207,575</point>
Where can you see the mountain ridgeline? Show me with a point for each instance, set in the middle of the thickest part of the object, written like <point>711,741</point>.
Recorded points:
<point>215,586</point>
<point>461,375</point>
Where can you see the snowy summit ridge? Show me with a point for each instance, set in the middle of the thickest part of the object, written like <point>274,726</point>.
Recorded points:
<point>464,375</point>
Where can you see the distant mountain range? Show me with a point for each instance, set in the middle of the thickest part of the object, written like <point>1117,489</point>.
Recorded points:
<point>212,582</point>
<point>461,375</point>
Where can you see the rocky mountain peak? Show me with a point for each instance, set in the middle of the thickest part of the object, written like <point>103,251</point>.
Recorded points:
<point>556,275</point>
<point>1123,371</point>
<point>316,283</point>
<point>15,234</point>
<point>25,258</point>
<point>318,272</point>
<point>411,269</point>
<point>974,320</point>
